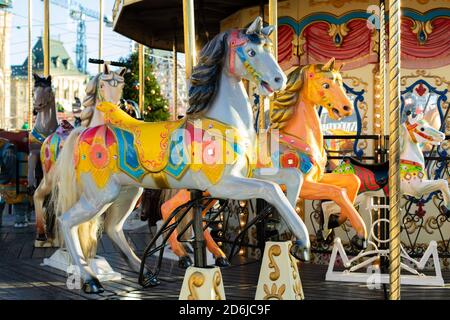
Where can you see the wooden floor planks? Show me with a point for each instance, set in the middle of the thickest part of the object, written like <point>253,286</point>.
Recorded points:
<point>23,277</point>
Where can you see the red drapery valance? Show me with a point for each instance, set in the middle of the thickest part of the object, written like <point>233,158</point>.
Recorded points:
<point>357,48</point>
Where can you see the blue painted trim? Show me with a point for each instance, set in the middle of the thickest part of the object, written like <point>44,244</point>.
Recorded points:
<point>127,153</point>
<point>299,26</point>
<point>359,97</point>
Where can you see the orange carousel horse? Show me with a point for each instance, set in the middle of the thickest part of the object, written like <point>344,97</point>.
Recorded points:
<point>294,114</point>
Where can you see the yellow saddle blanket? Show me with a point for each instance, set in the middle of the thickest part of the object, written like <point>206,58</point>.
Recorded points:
<point>151,139</point>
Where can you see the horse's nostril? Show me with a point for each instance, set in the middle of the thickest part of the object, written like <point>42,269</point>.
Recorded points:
<point>278,79</point>
<point>346,108</point>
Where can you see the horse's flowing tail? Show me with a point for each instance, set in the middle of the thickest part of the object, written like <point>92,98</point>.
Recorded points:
<point>66,192</point>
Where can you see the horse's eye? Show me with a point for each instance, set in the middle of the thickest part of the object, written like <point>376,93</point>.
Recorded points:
<point>422,129</point>
<point>251,53</point>
<point>326,86</point>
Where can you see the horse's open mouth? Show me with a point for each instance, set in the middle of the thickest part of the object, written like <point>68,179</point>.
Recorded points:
<point>266,86</point>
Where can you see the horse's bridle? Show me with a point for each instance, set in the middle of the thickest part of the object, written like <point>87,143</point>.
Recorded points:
<point>114,82</point>
<point>412,129</point>
<point>236,44</point>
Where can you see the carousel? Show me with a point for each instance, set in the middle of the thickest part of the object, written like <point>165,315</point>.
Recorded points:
<point>310,163</point>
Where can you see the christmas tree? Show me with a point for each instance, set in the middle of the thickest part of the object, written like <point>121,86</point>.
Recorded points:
<point>156,107</point>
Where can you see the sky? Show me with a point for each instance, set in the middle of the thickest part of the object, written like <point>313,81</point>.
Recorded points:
<point>62,27</point>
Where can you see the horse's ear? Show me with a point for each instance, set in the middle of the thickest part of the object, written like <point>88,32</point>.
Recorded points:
<point>339,69</point>
<point>255,27</point>
<point>35,76</point>
<point>267,31</point>
<point>105,68</point>
<point>123,71</point>
<point>49,79</point>
<point>329,65</point>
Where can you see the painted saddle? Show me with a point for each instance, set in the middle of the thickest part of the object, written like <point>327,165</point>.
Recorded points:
<point>53,144</point>
<point>373,176</point>
<point>138,148</point>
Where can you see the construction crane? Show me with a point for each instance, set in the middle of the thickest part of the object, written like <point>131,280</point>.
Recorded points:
<point>78,13</point>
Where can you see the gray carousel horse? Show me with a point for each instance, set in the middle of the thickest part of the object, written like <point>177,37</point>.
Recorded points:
<point>45,124</point>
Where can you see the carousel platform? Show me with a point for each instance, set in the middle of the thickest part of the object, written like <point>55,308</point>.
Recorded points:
<point>23,277</point>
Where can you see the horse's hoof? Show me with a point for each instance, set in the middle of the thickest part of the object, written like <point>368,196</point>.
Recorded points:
<point>185,262</point>
<point>222,262</point>
<point>150,280</point>
<point>333,221</point>
<point>93,286</point>
<point>300,250</point>
<point>359,242</point>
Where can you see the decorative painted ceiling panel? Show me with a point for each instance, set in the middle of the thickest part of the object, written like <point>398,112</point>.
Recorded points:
<point>352,39</point>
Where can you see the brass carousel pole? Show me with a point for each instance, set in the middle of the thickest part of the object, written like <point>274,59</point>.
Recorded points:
<point>175,80</point>
<point>100,34</point>
<point>46,38</point>
<point>189,35</point>
<point>30,65</point>
<point>394,149</point>
<point>382,71</point>
<point>141,77</point>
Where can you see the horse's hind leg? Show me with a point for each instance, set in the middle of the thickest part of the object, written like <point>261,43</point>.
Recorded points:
<point>83,211</point>
<point>41,192</point>
<point>182,197</point>
<point>320,191</point>
<point>116,215</point>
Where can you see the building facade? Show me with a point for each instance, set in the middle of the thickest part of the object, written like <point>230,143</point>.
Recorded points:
<point>68,82</point>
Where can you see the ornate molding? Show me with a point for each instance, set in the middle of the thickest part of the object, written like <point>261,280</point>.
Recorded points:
<point>274,251</point>
<point>378,112</point>
<point>422,30</point>
<point>421,73</point>
<point>196,280</point>
<point>338,32</point>
<point>274,293</point>
<point>334,3</point>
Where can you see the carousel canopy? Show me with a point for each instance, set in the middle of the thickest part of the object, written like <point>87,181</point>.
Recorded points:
<point>155,23</point>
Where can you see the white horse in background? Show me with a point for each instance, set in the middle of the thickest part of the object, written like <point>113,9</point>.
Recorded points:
<point>105,86</point>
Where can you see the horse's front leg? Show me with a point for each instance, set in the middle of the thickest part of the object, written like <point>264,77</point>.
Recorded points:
<point>41,192</point>
<point>90,205</point>
<point>425,187</point>
<point>292,178</point>
<point>241,188</point>
<point>33,159</point>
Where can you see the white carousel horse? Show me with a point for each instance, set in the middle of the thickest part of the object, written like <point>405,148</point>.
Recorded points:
<point>114,161</point>
<point>45,124</point>
<point>413,182</point>
<point>105,86</point>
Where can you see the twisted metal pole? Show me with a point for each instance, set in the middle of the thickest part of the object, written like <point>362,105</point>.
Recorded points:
<point>382,70</point>
<point>394,149</point>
